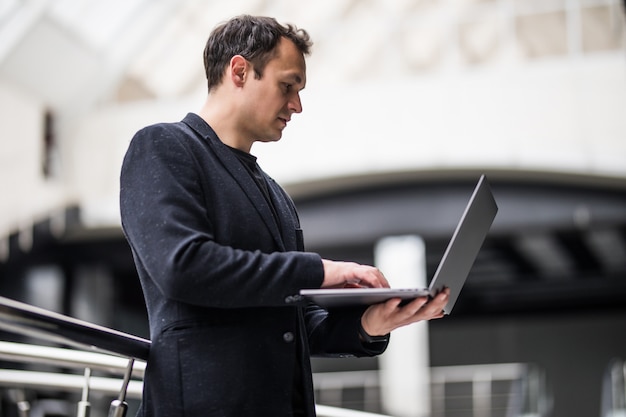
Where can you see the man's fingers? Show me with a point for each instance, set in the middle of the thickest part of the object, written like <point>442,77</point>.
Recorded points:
<point>391,305</point>
<point>416,304</point>
<point>371,277</point>
<point>423,308</point>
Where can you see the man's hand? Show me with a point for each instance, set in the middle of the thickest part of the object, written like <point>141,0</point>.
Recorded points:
<point>350,274</point>
<point>381,319</point>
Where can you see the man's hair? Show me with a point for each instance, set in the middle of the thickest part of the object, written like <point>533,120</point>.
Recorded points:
<point>253,37</point>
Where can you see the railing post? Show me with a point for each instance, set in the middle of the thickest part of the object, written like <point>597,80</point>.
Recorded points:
<point>84,407</point>
<point>23,405</point>
<point>119,406</point>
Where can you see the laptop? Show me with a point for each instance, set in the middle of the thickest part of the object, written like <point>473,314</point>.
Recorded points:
<point>452,271</point>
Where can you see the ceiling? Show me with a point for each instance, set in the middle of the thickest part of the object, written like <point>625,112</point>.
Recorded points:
<point>70,52</point>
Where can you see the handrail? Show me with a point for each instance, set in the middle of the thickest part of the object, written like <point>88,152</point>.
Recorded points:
<point>68,358</point>
<point>54,381</point>
<point>53,327</point>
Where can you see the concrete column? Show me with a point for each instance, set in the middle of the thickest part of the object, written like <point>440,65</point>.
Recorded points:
<point>405,366</point>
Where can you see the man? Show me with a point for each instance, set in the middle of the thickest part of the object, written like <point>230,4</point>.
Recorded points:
<point>219,250</point>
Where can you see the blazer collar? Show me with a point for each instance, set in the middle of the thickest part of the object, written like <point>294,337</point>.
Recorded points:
<point>238,172</point>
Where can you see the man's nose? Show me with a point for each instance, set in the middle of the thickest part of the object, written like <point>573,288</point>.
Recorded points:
<point>295,104</point>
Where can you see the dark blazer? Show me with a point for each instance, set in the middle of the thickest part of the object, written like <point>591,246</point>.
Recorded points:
<point>221,272</point>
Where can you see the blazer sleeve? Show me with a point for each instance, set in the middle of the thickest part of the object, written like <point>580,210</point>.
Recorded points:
<point>334,333</point>
<point>167,221</point>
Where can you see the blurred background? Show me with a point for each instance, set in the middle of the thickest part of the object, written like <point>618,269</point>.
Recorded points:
<point>407,103</point>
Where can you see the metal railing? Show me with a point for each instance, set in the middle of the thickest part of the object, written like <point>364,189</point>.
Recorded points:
<point>491,390</point>
<point>117,354</point>
<point>69,358</point>
<point>486,390</point>
<point>93,348</point>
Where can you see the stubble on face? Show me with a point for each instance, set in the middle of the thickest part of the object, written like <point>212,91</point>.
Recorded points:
<point>275,96</point>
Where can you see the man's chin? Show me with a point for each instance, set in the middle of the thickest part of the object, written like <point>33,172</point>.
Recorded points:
<point>274,138</point>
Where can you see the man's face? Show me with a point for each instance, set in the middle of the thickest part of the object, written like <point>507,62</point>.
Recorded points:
<point>271,100</point>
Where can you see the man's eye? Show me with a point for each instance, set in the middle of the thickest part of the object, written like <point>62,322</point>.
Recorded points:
<point>287,87</point>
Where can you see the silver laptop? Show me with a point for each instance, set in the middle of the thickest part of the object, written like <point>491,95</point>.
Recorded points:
<point>452,271</point>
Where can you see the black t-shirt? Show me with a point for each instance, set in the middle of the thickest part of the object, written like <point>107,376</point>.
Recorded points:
<point>249,162</point>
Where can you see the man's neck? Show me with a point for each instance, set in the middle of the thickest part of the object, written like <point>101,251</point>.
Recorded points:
<point>222,119</point>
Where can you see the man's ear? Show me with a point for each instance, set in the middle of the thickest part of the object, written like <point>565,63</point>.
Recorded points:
<point>238,70</point>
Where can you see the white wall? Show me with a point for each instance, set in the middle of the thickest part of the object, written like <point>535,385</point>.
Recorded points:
<point>97,148</point>
<point>26,194</point>
<point>550,116</point>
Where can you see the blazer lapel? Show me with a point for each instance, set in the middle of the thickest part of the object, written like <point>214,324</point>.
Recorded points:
<point>239,173</point>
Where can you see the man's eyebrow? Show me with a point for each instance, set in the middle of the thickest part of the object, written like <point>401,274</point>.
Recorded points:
<point>296,78</point>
